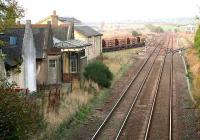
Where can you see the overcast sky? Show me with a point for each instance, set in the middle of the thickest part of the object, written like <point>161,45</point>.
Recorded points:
<point>110,10</point>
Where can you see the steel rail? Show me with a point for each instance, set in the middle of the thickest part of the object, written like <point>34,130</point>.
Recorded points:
<point>123,94</point>
<point>171,97</point>
<point>134,101</point>
<point>154,98</point>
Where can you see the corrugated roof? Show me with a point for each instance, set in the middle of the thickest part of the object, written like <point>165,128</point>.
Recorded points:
<point>72,44</point>
<point>87,31</point>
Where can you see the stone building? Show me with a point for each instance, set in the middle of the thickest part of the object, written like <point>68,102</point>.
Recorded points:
<point>81,32</point>
<point>50,51</point>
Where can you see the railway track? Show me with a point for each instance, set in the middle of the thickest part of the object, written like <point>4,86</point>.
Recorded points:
<point>160,119</point>
<point>151,127</point>
<point>118,116</point>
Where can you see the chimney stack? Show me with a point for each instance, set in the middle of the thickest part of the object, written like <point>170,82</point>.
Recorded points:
<point>70,34</point>
<point>54,19</point>
<point>18,22</point>
<point>54,12</point>
<point>29,58</point>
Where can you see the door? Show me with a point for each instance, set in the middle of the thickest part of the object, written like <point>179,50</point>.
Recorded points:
<point>52,76</point>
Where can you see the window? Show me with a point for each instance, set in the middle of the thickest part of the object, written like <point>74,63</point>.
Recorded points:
<point>73,63</point>
<point>13,40</point>
<point>52,63</point>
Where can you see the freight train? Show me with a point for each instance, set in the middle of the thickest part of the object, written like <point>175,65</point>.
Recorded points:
<point>119,43</point>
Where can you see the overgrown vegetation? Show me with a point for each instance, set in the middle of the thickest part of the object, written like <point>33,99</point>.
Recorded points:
<point>20,117</point>
<point>155,29</point>
<point>99,73</point>
<point>197,41</point>
<point>135,33</point>
<point>66,128</point>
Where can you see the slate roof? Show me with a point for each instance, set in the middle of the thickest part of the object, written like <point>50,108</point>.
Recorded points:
<point>60,33</point>
<point>38,34</point>
<point>87,31</point>
<point>69,19</point>
<point>14,52</point>
<point>83,29</point>
<point>13,56</point>
<point>43,37</point>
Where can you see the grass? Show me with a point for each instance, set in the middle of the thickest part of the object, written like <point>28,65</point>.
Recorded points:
<point>68,126</point>
<point>119,62</point>
<point>193,66</point>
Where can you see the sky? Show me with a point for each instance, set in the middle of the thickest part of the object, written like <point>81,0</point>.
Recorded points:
<point>111,10</point>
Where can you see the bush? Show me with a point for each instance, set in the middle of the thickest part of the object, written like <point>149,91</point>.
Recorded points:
<point>135,33</point>
<point>19,114</point>
<point>156,29</point>
<point>197,41</point>
<point>99,73</point>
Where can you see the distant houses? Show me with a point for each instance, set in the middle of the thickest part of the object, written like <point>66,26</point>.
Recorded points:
<point>48,54</point>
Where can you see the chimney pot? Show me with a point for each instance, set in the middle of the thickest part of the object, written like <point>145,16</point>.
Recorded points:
<point>54,12</point>
<point>28,22</point>
<point>18,22</point>
<point>49,22</point>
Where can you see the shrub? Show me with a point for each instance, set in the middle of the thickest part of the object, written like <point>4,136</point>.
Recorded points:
<point>135,33</point>
<point>156,29</point>
<point>99,73</point>
<point>197,41</point>
<point>19,114</point>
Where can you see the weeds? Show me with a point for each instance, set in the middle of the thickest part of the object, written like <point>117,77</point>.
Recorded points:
<point>66,127</point>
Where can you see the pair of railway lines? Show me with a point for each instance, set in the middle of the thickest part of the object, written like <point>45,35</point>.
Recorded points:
<point>114,125</point>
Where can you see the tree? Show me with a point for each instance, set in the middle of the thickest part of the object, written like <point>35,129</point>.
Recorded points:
<point>9,12</point>
<point>135,33</point>
<point>155,29</point>
<point>176,30</point>
<point>197,41</point>
<point>159,29</point>
<point>99,73</point>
